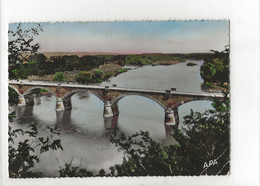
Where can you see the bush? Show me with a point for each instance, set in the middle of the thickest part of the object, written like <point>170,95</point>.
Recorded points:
<point>216,67</point>
<point>121,71</point>
<point>107,75</point>
<point>209,85</point>
<point>39,91</point>
<point>191,64</point>
<point>70,171</point>
<point>59,76</point>
<point>83,77</point>
<point>208,71</point>
<point>97,77</point>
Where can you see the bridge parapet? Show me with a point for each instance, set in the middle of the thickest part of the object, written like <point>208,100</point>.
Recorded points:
<point>166,99</point>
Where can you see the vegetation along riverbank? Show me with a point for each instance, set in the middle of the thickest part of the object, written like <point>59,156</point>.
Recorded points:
<point>85,69</point>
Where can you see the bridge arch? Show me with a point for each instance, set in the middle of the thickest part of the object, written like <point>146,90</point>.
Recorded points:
<point>69,94</point>
<point>35,88</point>
<point>176,106</point>
<point>114,101</point>
<point>15,90</point>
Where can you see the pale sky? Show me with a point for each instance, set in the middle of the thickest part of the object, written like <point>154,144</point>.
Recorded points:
<point>133,37</point>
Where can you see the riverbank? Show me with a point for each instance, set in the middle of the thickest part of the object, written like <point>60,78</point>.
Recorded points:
<point>109,70</point>
<point>70,76</point>
<point>166,62</point>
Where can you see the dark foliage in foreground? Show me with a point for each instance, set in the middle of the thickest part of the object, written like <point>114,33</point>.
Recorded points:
<point>215,69</point>
<point>22,154</point>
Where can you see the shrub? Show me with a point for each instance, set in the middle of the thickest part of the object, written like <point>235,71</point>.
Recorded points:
<point>107,75</point>
<point>121,71</point>
<point>83,77</point>
<point>59,76</point>
<point>208,71</point>
<point>97,77</point>
<point>191,64</point>
<point>70,171</point>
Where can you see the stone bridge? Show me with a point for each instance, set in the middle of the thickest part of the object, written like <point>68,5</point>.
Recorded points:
<point>169,100</point>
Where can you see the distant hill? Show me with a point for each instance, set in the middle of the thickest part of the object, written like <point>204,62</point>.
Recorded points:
<point>80,54</point>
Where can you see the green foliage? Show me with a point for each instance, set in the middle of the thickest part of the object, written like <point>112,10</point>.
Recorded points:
<point>13,97</point>
<point>18,73</point>
<point>22,153</point>
<point>107,75</point>
<point>121,71</point>
<point>141,60</point>
<point>143,156</point>
<point>11,116</point>
<point>20,47</point>
<point>39,91</point>
<point>59,76</point>
<point>208,71</point>
<point>97,77</point>
<point>191,64</point>
<point>216,67</point>
<point>209,85</point>
<point>83,77</point>
<point>208,138</point>
<point>71,62</point>
<point>138,60</point>
<point>70,171</point>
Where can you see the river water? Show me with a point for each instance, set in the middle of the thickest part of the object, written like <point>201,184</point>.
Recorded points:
<point>83,128</point>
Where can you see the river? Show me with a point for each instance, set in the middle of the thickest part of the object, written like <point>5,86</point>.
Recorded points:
<point>83,128</point>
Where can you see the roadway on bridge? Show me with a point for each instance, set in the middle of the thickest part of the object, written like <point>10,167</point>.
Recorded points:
<point>97,87</point>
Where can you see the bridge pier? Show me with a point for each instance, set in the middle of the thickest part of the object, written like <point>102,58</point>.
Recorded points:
<point>108,110</point>
<point>67,104</point>
<point>21,101</point>
<point>115,109</point>
<point>29,99</point>
<point>59,105</point>
<point>171,120</point>
<point>110,122</point>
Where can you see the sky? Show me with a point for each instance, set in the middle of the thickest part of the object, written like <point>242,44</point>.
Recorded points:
<point>132,37</point>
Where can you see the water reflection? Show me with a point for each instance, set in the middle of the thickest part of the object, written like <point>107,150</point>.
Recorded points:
<point>140,113</point>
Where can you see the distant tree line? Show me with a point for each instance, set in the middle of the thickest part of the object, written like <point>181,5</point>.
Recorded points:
<point>40,65</point>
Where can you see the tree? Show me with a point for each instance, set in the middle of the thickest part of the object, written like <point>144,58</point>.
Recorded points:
<point>208,71</point>
<point>83,77</point>
<point>22,156</point>
<point>20,47</point>
<point>59,76</point>
<point>97,76</point>
<point>207,139</point>
<point>216,67</point>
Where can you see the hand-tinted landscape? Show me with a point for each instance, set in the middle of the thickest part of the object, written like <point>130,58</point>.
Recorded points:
<point>119,99</point>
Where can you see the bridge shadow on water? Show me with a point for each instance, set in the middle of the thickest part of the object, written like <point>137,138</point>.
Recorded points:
<point>86,116</point>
